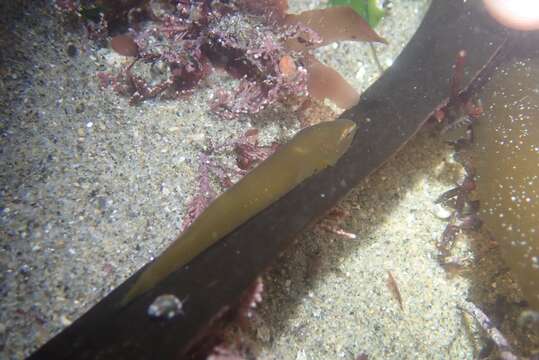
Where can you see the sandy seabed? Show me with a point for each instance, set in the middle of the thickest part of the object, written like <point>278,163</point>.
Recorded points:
<point>92,188</point>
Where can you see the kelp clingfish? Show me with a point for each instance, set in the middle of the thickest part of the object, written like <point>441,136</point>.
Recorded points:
<point>309,152</point>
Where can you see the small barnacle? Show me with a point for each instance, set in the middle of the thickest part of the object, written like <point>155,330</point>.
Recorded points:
<point>166,307</point>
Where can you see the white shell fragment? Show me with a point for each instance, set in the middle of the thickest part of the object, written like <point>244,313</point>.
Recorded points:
<point>165,307</point>
<point>441,212</point>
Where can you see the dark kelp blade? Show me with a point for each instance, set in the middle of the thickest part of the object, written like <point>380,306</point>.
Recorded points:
<point>389,113</point>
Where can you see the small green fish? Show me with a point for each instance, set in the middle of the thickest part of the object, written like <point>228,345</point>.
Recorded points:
<point>309,152</point>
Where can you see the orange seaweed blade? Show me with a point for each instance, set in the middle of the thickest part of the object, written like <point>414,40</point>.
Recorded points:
<point>333,24</point>
<point>324,82</point>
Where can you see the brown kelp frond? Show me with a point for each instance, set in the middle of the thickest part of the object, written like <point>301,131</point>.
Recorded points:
<point>335,24</point>
<point>326,83</point>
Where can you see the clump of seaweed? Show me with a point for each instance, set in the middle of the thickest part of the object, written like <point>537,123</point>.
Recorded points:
<point>176,43</point>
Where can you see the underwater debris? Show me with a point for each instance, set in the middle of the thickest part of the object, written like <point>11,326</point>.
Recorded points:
<point>394,288</point>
